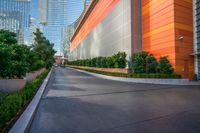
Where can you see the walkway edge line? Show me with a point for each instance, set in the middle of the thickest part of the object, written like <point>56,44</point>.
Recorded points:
<point>23,123</point>
<point>143,80</point>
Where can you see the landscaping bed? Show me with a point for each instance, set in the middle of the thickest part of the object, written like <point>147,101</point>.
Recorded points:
<point>143,65</point>
<point>112,70</point>
<point>131,75</point>
<point>12,105</point>
<point>2,96</point>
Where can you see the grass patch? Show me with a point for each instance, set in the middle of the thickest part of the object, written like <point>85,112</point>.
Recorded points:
<point>134,75</point>
<point>13,104</point>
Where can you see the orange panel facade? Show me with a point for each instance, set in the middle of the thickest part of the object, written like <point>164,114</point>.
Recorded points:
<point>99,10</point>
<point>167,31</point>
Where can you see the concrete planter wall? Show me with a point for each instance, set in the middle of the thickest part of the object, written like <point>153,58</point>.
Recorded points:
<point>31,76</point>
<point>13,85</point>
<point>115,70</point>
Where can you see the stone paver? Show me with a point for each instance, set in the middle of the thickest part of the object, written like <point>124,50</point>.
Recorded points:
<point>75,102</point>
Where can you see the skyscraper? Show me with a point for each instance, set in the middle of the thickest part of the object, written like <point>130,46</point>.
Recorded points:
<point>43,12</point>
<point>60,13</point>
<point>15,16</point>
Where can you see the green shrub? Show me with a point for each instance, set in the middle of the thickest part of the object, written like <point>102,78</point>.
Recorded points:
<point>119,60</point>
<point>164,66</point>
<point>116,61</point>
<point>13,61</point>
<point>134,75</point>
<point>98,62</point>
<point>103,62</point>
<point>151,64</point>
<point>13,103</point>
<point>109,62</point>
<point>139,62</point>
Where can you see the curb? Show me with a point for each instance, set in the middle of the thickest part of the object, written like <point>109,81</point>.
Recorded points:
<point>23,123</point>
<point>183,82</point>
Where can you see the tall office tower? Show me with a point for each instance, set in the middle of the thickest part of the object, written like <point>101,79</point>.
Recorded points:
<point>32,28</point>
<point>43,12</point>
<point>14,16</point>
<point>66,35</point>
<point>56,14</point>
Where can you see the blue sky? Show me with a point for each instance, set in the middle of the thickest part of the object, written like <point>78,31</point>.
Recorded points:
<point>34,9</point>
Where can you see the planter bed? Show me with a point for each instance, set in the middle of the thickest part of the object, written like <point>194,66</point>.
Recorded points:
<point>14,85</point>
<point>32,75</point>
<point>129,75</point>
<point>112,70</point>
<point>12,105</point>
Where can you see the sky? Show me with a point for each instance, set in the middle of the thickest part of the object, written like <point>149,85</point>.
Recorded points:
<point>73,5</point>
<point>34,9</point>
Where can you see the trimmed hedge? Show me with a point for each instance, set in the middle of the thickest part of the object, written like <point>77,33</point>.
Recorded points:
<point>116,61</point>
<point>134,75</point>
<point>15,102</point>
<point>143,62</point>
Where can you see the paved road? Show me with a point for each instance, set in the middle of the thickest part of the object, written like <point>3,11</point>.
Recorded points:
<point>75,102</point>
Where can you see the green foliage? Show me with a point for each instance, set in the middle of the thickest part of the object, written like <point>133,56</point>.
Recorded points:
<point>13,61</point>
<point>116,61</point>
<point>164,66</point>
<point>134,75</point>
<point>151,64</point>
<point>44,49</point>
<point>7,37</point>
<point>16,60</point>
<point>144,62</point>
<point>35,63</point>
<point>139,62</point>
<point>110,63</point>
<point>119,60</point>
<point>13,103</point>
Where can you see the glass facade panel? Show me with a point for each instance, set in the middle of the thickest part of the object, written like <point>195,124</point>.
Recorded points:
<point>14,14</point>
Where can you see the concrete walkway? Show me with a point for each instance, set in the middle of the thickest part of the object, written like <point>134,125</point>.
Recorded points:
<point>76,102</point>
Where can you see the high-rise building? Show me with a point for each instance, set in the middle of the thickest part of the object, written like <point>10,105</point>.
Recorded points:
<point>66,35</point>
<point>32,29</point>
<point>59,14</point>
<point>14,16</point>
<point>43,12</point>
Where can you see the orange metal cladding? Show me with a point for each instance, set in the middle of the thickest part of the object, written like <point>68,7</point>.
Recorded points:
<point>100,11</point>
<point>164,22</point>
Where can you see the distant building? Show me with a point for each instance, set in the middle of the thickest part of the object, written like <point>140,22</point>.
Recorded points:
<point>66,35</point>
<point>55,15</point>
<point>32,28</point>
<point>43,12</point>
<point>58,59</point>
<point>15,16</point>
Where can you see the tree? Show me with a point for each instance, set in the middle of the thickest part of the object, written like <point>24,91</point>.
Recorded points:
<point>164,66</point>
<point>44,49</point>
<point>7,37</point>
